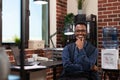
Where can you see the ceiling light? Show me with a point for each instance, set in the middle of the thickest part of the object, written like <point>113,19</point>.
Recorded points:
<point>40,1</point>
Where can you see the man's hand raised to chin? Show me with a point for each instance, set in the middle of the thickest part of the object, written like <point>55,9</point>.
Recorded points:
<point>80,42</point>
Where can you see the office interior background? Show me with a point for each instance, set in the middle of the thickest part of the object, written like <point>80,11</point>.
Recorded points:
<point>42,21</point>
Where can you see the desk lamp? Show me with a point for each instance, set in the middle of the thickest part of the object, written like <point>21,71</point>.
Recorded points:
<point>40,1</point>
<point>69,30</point>
<point>50,38</point>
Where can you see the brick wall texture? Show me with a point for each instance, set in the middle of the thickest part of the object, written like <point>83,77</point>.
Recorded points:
<point>61,11</point>
<point>108,15</point>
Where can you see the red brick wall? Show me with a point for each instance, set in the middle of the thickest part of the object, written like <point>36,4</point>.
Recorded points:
<point>108,15</point>
<point>61,10</point>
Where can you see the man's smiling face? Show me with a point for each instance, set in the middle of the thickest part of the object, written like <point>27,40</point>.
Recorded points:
<point>80,31</point>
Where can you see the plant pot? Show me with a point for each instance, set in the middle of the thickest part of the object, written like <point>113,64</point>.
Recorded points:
<point>80,11</point>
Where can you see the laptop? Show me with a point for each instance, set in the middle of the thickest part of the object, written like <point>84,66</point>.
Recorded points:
<point>16,54</point>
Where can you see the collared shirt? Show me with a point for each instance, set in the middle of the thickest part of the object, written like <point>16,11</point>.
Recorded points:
<point>81,61</point>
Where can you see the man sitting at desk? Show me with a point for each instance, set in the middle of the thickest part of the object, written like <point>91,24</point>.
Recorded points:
<point>79,58</point>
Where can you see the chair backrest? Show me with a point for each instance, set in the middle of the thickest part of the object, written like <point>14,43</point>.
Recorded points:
<point>4,64</point>
<point>16,54</point>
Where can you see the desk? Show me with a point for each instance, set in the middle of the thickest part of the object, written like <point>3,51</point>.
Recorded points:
<point>113,74</point>
<point>53,65</point>
<point>48,64</point>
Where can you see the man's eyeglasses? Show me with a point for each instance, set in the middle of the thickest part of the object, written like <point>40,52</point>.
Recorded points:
<point>80,30</point>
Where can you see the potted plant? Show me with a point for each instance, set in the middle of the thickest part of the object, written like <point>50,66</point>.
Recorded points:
<point>68,23</point>
<point>68,20</point>
<point>17,41</point>
<point>80,4</point>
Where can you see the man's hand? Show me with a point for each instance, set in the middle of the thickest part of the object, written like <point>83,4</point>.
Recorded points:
<point>80,42</point>
<point>94,68</point>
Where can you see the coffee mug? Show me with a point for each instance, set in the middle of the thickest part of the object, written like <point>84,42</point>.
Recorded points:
<point>35,56</point>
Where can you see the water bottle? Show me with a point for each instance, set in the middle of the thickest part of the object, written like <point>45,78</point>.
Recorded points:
<point>110,40</point>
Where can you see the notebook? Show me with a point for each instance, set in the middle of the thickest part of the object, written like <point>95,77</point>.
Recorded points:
<point>16,54</point>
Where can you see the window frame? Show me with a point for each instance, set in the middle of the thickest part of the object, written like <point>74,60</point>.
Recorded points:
<point>7,45</point>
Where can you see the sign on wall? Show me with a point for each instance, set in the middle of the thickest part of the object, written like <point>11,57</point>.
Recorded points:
<point>110,58</point>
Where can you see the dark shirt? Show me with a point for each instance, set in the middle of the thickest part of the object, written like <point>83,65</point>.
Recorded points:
<point>81,61</point>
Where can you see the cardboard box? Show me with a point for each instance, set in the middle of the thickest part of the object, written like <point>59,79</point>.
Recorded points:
<point>36,44</point>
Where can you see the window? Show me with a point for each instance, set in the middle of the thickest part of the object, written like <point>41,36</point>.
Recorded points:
<point>38,22</point>
<point>10,20</point>
<point>36,26</point>
<point>35,21</point>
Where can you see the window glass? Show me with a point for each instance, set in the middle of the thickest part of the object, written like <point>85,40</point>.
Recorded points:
<point>38,22</point>
<point>11,16</point>
<point>10,20</point>
<point>35,21</point>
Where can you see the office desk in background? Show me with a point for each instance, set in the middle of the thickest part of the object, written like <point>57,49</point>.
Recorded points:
<point>44,65</point>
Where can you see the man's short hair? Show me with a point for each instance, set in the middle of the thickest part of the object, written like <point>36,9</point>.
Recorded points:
<point>81,22</point>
